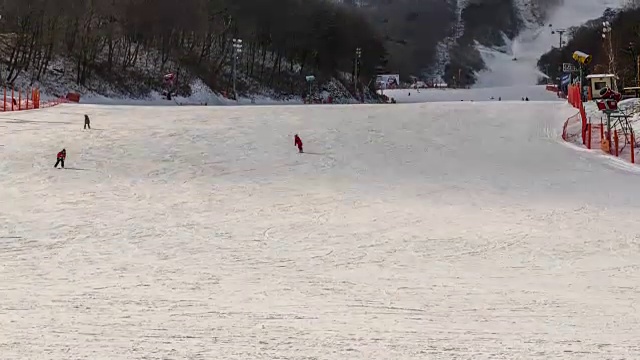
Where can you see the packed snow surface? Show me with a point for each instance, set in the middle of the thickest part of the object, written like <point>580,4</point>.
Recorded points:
<point>511,93</point>
<point>462,230</point>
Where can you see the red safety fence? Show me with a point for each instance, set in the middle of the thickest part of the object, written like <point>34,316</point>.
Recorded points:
<point>624,145</point>
<point>573,96</point>
<point>54,102</point>
<point>19,99</point>
<point>572,129</point>
<point>594,136</point>
<point>575,99</point>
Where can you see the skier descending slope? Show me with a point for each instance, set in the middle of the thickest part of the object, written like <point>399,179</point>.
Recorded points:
<point>60,158</point>
<point>297,142</point>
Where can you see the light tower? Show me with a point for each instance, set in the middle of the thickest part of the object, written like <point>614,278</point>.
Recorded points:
<point>608,44</point>
<point>357,69</point>
<point>237,50</point>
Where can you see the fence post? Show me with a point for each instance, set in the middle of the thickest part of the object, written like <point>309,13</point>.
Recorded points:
<point>12,98</point>
<point>4,107</point>
<point>19,99</point>
<point>616,141</point>
<point>601,129</point>
<point>26,93</point>
<point>588,136</point>
<point>633,150</point>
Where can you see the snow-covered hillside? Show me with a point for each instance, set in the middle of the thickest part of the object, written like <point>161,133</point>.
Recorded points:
<point>534,41</point>
<point>409,231</point>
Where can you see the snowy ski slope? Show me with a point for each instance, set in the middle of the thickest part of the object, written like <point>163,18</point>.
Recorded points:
<point>534,41</point>
<point>507,93</point>
<point>462,230</point>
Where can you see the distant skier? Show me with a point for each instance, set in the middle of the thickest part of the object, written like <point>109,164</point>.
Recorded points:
<point>87,122</point>
<point>526,99</point>
<point>60,158</point>
<point>297,142</point>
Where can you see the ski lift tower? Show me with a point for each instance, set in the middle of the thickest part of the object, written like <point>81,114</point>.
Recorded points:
<point>560,33</point>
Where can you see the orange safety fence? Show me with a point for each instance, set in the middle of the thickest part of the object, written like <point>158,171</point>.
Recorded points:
<point>54,102</point>
<point>594,136</point>
<point>20,99</point>
<point>624,145</point>
<point>572,129</point>
<point>573,96</point>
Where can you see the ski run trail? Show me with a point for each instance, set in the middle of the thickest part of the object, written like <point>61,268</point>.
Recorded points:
<point>534,41</point>
<point>442,230</point>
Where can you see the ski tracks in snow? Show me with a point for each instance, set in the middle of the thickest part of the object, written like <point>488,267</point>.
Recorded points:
<point>419,231</point>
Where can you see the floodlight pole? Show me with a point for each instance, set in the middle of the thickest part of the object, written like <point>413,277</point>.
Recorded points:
<point>357,65</point>
<point>606,35</point>
<point>237,50</point>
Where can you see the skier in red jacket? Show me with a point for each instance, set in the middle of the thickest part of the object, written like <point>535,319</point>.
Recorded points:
<point>297,142</point>
<point>60,158</point>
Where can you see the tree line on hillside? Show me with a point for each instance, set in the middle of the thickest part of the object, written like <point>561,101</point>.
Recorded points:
<point>412,30</point>
<point>283,40</point>
<point>620,57</point>
<point>418,33</point>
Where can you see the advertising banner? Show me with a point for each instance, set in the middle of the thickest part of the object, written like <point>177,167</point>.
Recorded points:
<point>568,67</point>
<point>388,81</point>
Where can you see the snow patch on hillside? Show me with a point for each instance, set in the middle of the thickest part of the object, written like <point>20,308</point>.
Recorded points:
<point>444,47</point>
<point>141,85</point>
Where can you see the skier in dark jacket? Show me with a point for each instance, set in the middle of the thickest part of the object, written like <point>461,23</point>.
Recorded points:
<point>297,142</point>
<point>87,122</point>
<point>60,158</point>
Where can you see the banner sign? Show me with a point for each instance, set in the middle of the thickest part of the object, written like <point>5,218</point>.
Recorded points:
<point>387,81</point>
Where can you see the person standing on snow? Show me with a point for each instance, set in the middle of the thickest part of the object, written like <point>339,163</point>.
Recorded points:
<point>297,142</point>
<point>87,122</point>
<point>60,158</point>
